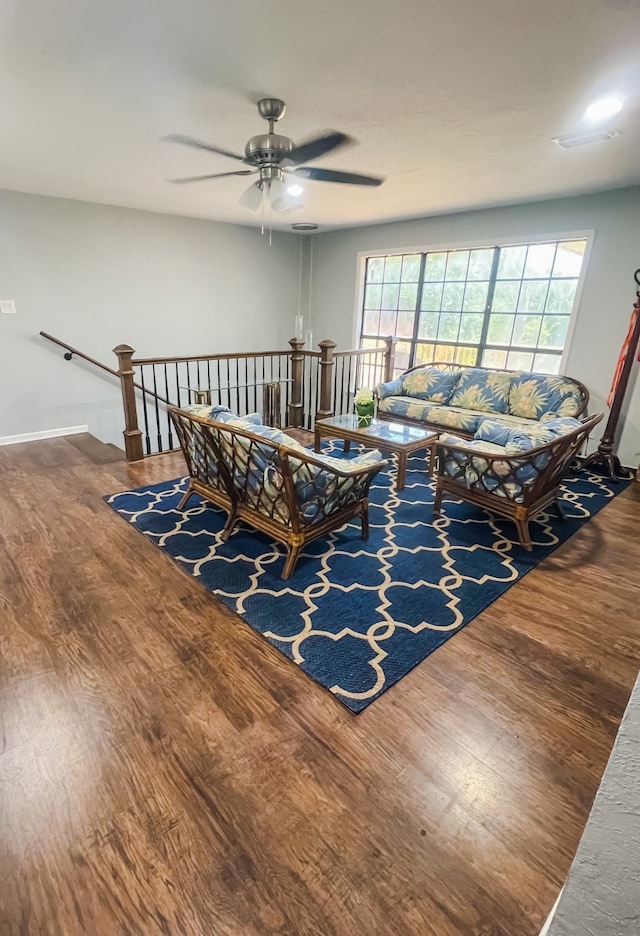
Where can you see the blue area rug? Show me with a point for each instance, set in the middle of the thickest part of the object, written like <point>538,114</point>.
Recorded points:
<point>358,616</point>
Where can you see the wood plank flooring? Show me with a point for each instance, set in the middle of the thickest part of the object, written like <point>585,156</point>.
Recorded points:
<point>165,771</point>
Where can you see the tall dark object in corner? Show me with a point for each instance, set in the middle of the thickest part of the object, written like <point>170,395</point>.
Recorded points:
<point>604,454</point>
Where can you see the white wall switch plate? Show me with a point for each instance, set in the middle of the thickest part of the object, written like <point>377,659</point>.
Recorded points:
<point>7,306</point>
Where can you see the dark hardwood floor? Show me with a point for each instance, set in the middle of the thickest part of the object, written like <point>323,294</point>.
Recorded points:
<point>165,771</point>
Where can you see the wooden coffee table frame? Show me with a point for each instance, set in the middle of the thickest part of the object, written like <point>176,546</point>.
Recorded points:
<point>326,429</point>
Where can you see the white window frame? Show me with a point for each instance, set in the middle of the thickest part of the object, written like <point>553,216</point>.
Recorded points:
<point>502,241</point>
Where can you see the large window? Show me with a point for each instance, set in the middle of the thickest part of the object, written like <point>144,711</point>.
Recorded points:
<point>506,306</point>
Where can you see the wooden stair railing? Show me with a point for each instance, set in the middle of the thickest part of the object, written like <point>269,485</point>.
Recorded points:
<point>298,384</point>
<point>360,367</point>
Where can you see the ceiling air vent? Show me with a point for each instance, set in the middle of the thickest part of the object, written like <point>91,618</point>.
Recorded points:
<point>569,141</point>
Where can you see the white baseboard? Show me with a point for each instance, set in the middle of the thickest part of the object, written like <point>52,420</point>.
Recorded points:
<point>43,434</point>
<point>545,928</point>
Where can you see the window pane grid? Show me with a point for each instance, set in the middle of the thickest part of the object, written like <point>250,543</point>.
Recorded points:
<point>506,306</point>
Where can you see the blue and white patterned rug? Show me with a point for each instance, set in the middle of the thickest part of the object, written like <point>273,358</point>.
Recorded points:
<point>358,616</point>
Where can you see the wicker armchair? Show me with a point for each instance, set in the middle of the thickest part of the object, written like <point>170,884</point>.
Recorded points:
<point>514,486</point>
<point>283,490</point>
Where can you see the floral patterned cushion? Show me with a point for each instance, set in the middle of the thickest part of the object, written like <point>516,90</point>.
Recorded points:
<point>482,390</point>
<point>430,383</point>
<point>391,388</point>
<point>537,395</point>
<point>522,439</point>
<point>437,415</point>
<point>470,466</point>
<point>222,414</point>
<point>493,431</point>
<point>471,445</point>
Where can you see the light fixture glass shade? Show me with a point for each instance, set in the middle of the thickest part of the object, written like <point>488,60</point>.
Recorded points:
<point>251,198</point>
<point>299,325</point>
<point>279,198</point>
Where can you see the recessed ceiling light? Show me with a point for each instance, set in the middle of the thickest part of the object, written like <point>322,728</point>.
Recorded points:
<point>603,108</point>
<point>295,189</point>
<point>304,226</point>
<point>569,141</point>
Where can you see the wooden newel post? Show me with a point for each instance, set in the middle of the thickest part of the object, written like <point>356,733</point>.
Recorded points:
<point>389,355</point>
<point>132,434</point>
<point>326,378</point>
<point>297,375</point>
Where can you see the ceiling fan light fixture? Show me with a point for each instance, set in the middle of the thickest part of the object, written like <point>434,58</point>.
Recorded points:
<point>275,157</point>
<point>251,198</point>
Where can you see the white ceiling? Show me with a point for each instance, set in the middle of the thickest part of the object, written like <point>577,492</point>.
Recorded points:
<point>454,101</point>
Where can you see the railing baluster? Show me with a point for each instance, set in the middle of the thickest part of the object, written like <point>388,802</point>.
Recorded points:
<point>178,384</point>
<point>157,407</point>
<point>166,393</point>
<point>145,415</point>
<point>189,383</point>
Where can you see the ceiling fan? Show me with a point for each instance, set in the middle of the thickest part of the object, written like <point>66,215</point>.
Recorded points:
<point>273,158</point>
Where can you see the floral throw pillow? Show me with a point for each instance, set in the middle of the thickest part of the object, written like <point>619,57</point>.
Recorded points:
<point>430,383</point>
<point>533,396</point>
<point>483,390</point>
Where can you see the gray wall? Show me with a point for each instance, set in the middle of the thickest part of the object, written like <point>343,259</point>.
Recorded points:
<point>606,302</point>
<point>98,276</point>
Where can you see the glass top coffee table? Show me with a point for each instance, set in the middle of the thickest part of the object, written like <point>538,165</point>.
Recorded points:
<point>389,436</point>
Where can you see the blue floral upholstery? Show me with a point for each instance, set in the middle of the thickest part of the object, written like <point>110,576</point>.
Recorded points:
<point>262,476</point>
<point>506,479</point>
<point>391,388</point>
<point>493,431</point>
<point>535,396</point>
<point>430,383</point>
<point>468,464</point>
<point>516,479</point>
<point>438,415</point>
<point>514,398</point>
<point>222,414</point>
<point>483,390</point>
<point>524,438</point>
<point>309,480</point>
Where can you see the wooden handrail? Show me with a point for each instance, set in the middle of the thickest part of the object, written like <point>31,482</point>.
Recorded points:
<point>358,352</point>
<point>232,356</point>
<point>312,389</point>
<point>105,367</point>
<point>71,351</point>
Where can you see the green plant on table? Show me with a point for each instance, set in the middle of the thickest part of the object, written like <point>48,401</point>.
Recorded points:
<point>365,405</point>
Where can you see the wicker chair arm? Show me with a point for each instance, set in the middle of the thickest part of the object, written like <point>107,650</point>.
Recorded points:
<point>588,423</point>
<point>310,459</point>
<point>523,475</point>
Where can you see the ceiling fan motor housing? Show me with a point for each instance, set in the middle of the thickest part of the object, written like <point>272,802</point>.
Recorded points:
<point>267,148</point>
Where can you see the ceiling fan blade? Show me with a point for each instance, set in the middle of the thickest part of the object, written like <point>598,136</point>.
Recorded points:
<point>312,149</point>
<point>334,175</point>
<point>216,175</point>
<point>198,144</point>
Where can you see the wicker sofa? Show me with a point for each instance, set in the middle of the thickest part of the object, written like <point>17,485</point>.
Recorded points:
<point>512,471</point>
<point>264,477</point>
<point>458,397</point>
